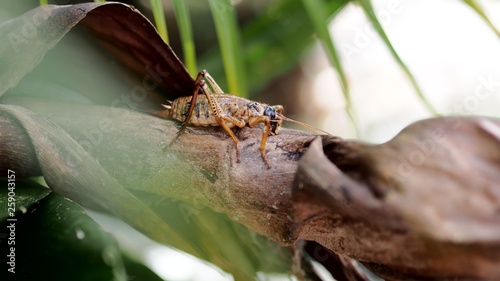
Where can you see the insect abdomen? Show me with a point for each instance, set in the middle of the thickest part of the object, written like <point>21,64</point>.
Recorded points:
<point>202,113</point>
<point>237,107</point>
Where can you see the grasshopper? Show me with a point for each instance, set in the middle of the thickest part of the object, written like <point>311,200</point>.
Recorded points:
<point>226,111</point>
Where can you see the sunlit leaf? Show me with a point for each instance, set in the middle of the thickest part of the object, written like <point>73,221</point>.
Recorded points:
<point>230,44</point>
<point>316,10</point>
<point>159,16</point>
<point>478,8</point>
<point>185,30</point>
<point>367,7</point>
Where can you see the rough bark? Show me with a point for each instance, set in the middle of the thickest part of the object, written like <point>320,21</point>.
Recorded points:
<point>423,206</point>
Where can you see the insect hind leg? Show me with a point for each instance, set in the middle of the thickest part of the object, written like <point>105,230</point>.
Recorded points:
<point>199,85</point>
<point>211,82</point>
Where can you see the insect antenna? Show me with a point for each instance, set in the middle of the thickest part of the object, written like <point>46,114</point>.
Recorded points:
<point>307,126</point>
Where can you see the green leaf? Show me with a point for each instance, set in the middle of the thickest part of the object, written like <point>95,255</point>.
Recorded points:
<point>25,193</point>
<point>185,30</point>
<point>476,6</point>
<point>367,7</point>
<point>56,240</point>
<point>26,41</point>
<point>273,42</point>
<point>159,16</point>
<point>317,14</point>
<point>137,271</point>
<point>229,40</point>
<point>316,10</point>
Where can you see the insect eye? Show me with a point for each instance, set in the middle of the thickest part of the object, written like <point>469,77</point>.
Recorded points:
<point>270,112</point>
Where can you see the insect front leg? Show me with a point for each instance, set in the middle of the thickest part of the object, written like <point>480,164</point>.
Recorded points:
<point>267,129</point>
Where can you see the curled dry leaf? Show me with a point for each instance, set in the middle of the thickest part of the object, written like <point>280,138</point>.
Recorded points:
<point>424,205</point>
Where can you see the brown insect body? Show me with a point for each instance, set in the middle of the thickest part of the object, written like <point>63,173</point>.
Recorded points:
<point>237,107</point>
<point>227,111</point>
